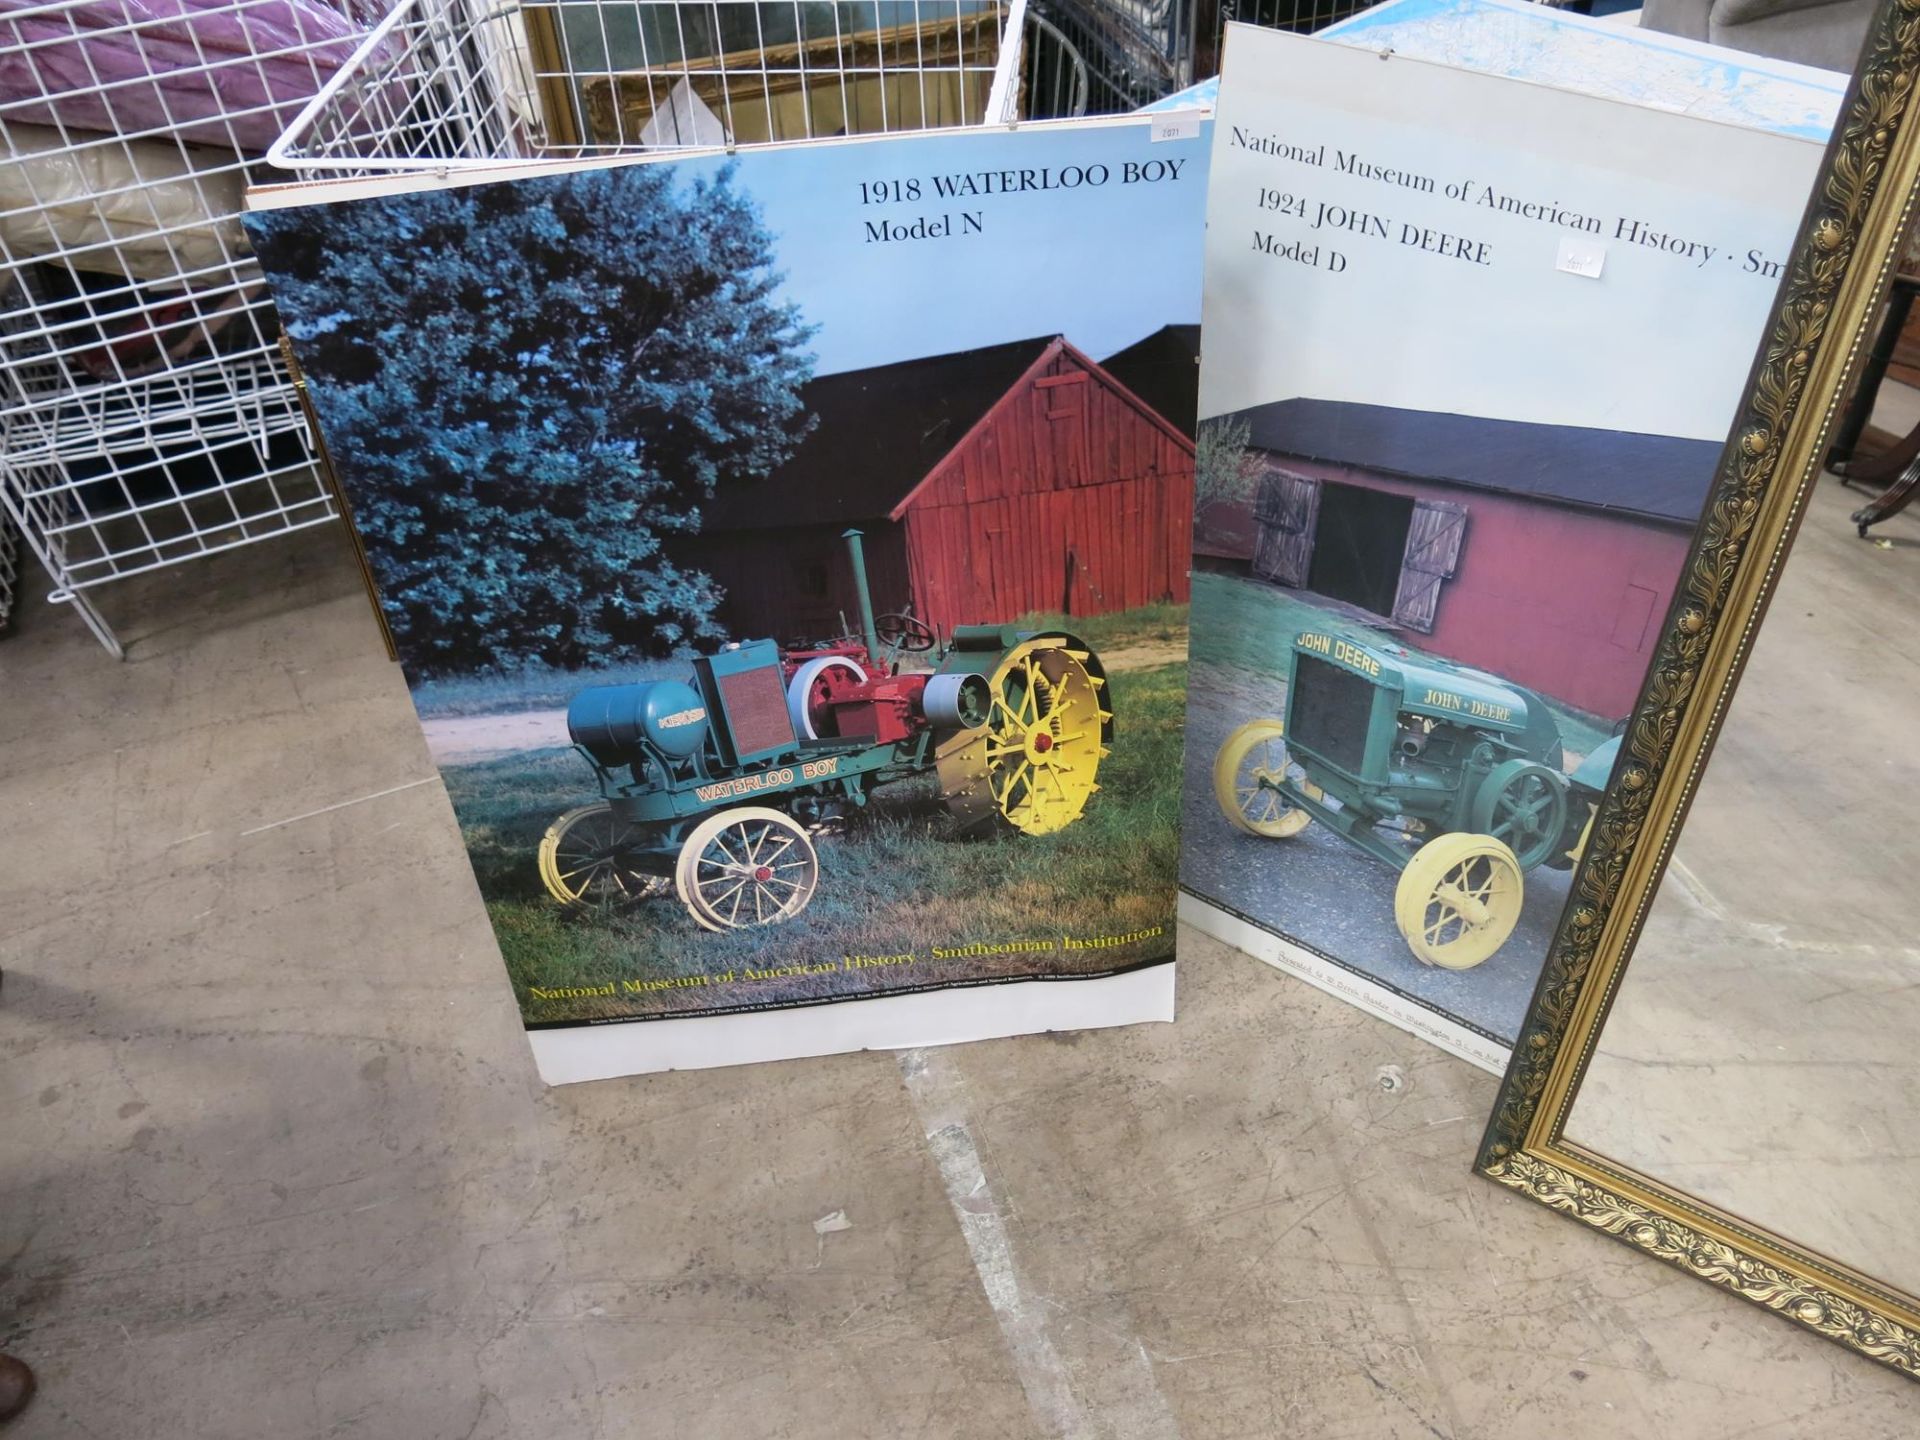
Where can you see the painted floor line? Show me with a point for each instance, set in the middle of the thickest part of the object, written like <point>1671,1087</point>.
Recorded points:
<point>342,805</point>
<point>940,1107</point>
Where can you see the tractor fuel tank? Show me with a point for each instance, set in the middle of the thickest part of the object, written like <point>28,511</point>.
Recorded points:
<point>610,722</point>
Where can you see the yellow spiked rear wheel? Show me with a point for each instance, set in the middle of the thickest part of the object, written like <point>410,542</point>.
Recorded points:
<point>1032,766</point>
<point>1248,771</point>
<point>1458,900</point>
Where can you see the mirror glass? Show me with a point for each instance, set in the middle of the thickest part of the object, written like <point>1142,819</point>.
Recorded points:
<point>1761,1052</point>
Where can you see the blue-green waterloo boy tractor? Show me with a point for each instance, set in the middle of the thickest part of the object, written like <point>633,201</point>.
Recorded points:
<point>1450,775</point>
<point>713,789</point>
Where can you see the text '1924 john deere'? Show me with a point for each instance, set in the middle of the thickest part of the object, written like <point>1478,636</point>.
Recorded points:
<point>715,788</point>
<point>1384,747</point>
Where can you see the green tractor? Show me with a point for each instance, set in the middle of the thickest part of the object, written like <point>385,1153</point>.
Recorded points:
<point>712,789</point>
<point>1452,776</point>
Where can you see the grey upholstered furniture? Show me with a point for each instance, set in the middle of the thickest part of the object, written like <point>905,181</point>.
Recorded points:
<point>1826,33</point>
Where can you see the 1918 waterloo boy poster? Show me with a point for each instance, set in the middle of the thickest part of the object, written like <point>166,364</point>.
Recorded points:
<point>788,558</point>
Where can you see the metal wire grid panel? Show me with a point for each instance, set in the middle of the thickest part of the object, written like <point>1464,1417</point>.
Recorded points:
<point>1134,51</point>
<point>1304,16</point>
<point>146,416</point>
<point>9,569</point>
<point>1055,82</point>
<point>451,83</point>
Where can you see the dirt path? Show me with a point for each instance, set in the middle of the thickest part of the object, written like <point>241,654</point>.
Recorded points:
<point>468,739</point>
<point>465,739</point>
<point>1145,657</point>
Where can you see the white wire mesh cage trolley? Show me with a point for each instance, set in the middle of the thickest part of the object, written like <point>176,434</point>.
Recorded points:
<point>448,84</point>
<point>9,568</point>
<point>146,415</point>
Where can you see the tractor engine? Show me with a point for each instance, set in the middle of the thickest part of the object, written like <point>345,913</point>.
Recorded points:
<point>751,703</point>
<point>1390,735</point>
<point>837,693</point>
<point>1430,754</point>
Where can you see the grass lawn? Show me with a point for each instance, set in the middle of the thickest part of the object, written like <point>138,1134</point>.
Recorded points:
<point>540,687</point>
<point>898,879</point>
<point>1150,624</point>
<point>1249,624</point>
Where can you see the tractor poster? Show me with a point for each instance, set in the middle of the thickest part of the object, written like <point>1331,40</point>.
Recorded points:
<point>787,554</point>
<point>1472,349</point>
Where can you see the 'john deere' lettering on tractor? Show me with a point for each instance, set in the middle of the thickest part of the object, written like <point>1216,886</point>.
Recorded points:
<point>1345,651</point>
<point>1380,746</point>
<point>1013,722</point>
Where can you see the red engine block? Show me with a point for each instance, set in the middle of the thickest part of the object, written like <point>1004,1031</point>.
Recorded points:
<point>883,708</point>
<point>888,709</point>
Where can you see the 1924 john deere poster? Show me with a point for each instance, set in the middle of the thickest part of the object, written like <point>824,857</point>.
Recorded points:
<point>788,557</point>
<point>1472,350</point>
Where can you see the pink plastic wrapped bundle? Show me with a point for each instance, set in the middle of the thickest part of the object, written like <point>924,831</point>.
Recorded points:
<point>223,72</point>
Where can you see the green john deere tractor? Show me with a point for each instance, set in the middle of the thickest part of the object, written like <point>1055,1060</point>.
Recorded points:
<point>1450,775</point>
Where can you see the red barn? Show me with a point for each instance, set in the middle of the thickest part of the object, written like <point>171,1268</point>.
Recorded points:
<point>1547,554</point>
<point>990,484</point>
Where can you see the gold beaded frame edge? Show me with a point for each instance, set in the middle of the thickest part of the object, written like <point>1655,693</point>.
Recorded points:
<point>1843,257</point>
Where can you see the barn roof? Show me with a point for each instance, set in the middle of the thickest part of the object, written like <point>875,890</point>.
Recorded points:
<point>1657,476</point>
<point>1163,369</point>
<point>879,432</point>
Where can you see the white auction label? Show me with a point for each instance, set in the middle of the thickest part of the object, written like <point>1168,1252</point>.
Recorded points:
<point>1176,125</point>
<point>1581,257</point>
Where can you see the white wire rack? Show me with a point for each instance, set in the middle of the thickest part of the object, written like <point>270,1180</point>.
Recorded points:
<point>9,568</point>
<point>1138,51</point>
<point>452,83</point>
<point>146,416</point>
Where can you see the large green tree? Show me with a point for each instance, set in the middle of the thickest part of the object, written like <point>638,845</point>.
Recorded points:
<point>529,388</point>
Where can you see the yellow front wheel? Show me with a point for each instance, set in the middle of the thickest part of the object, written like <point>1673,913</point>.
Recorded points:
<point>1458,900</point>
<point>1251,775</point>
<point>1586,834</point>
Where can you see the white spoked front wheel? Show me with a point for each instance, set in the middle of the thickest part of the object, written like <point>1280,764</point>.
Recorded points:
<point>747,866</point>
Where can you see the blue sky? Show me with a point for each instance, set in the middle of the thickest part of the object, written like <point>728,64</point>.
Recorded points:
<point>1102,265</point>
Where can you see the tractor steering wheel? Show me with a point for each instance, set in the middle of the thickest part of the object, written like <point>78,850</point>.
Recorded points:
<point>904,632</point>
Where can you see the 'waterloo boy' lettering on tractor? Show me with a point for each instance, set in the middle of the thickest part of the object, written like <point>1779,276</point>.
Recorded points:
<point>1417,748</point>
<point>1013,722</point>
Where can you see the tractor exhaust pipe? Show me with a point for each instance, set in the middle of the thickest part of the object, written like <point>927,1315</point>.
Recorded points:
<point>858,555</point>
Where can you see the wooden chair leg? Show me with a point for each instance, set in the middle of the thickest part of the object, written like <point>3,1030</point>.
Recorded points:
<point>1891,501</point>
<point>1885,468</point>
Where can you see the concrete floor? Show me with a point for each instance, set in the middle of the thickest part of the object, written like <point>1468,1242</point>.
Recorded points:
<point>277,1164</point>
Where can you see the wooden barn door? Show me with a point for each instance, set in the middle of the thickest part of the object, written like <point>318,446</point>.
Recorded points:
<point>1063,401</point>
<point>1285,516</point>
<point>1433,553</point>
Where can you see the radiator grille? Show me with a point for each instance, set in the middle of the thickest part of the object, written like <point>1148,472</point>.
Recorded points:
<point>1328,711</point>
<point>756,710</point>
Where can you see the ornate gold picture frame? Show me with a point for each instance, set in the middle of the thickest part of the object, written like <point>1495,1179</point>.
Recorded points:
<point>1846,252</point>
